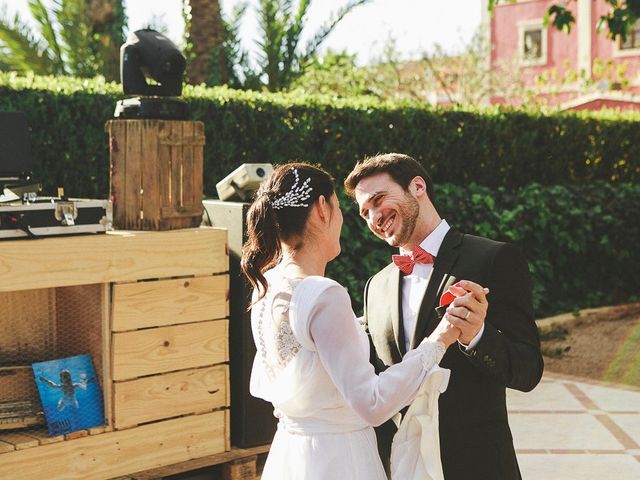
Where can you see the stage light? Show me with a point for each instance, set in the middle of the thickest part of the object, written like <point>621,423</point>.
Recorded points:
<point>151,66</point>
<point>243,182</point>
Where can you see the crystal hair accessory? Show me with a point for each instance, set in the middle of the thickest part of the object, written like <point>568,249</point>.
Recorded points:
<point>296,196</point>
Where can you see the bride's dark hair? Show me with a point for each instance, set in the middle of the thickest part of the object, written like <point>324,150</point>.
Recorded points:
<point>267,224</point>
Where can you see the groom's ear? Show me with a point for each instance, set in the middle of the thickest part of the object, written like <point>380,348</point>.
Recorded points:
<point>417,186</point>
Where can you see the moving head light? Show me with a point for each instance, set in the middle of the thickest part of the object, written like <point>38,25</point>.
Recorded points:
<point>148,54</point>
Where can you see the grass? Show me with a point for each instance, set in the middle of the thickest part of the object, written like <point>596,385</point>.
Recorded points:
<point>625,367</point>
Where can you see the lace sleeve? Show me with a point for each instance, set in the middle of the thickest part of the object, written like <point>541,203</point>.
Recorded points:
<point>345,357</point>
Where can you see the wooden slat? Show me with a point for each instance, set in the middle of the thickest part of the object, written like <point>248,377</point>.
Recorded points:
<point>42,436</point>
<point>117,141</point>
<point>241,469</point>
<point>6,447</point>
<point>133,179</point>
<point>166,349</point>
<point>175,199</point>
<point>164,166</point>
<point>19,440</point>
<point>198,463</point>
<point>152,191</point>
<point>121,452</point>
<point>197,170</point>
<point>106,356</point>
<point>115,257</point>
<point>76,434</point>
<point>169,302</point>
<point>170,395</point>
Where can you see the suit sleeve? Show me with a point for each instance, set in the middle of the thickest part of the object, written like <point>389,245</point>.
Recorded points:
<point>509,350</point>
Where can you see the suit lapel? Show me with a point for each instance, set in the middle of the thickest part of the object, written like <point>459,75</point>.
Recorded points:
<point>395,282</point>
<point>440,279</point>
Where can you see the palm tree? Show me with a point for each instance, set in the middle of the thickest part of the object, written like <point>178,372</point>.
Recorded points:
<point>77,37</point>
<point>205,34</point>
<point>281,59</point>
<point>222,60</point>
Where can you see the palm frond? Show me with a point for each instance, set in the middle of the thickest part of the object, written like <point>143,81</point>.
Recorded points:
<point>23,51</point>
<point>324,31</point>
<point>41,15</point>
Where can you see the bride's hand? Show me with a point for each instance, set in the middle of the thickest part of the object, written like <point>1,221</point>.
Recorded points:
<point>445,332</point>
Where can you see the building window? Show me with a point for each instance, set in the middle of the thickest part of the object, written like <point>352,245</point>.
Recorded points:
<point>533,43</point>
<point>633,38</point>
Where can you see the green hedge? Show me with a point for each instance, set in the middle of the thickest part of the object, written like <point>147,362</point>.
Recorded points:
<point>581,242</point>
<point>560,186</point>
<point>493,148</point>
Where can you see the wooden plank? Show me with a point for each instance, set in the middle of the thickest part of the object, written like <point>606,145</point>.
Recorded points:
<point>197,463</point>
<point>167,349</point>
<point>152,188</point>
<point>121,452</point>
<point>241,469</point>
<point>30,317</point>
<point>133,179</point>
<point>19,440</point>
<point>169,302</point>
<point>164,167</point>
<point>175,184</point>
<point>77,434</point>
<point>6,447</point>
<point>117,162</point>
<point>115,257</point>
<point>97,430</point>
<point>106,357</point>
<point>197,170</point>
<point>170,395</point>
<point>42,435</point>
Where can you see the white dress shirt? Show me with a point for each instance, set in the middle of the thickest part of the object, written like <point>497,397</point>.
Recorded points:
<point>415,284</point>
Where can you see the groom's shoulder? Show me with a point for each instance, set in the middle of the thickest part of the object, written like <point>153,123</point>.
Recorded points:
<point>484,243</point>
<point>383,274</point>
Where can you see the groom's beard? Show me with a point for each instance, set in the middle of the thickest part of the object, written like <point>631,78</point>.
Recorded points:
<point>408,211</point>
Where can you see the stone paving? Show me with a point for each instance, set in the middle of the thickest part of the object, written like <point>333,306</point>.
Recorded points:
<point>573,428</point>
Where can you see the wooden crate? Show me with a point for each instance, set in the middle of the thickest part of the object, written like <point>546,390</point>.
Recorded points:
<point>156,170</point>
<point>153,311</point>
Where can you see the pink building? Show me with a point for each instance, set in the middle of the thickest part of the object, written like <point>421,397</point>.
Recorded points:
<point>582,69</point>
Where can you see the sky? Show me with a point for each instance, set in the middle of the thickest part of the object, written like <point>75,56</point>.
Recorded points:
<point>415,25</point>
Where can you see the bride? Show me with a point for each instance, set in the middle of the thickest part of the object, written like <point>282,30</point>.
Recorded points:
<point>312,360</point>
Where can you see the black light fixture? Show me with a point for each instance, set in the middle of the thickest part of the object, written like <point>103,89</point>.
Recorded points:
<point>149,55</point>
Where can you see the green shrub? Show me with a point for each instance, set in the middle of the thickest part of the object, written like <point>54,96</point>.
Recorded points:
<point>493,147</point>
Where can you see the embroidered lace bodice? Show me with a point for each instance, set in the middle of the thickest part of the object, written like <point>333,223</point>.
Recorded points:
<point>277,345</point>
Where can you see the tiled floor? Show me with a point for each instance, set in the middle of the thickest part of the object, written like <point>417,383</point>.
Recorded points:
<point>571,428</point>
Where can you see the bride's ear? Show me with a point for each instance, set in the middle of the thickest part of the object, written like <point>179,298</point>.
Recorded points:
<point>322,207</point>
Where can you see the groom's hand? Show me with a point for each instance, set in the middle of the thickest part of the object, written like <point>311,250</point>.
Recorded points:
<point>468,310</point>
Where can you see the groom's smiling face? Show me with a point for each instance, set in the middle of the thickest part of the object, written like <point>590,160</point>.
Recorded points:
<point>390,211</point>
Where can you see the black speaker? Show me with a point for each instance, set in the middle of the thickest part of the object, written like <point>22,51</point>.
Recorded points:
<point>252,420</point>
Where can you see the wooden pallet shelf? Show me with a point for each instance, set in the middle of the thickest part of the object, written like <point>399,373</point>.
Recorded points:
<point>152,309</point>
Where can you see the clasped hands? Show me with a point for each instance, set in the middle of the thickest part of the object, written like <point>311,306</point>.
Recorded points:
<point>465,315</point>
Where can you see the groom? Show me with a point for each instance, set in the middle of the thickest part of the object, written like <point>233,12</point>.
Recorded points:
<point>499,345</point>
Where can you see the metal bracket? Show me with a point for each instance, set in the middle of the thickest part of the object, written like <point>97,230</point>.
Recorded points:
<point>66,213</point>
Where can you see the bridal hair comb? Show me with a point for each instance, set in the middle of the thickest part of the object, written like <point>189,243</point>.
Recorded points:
<point>296,196</point>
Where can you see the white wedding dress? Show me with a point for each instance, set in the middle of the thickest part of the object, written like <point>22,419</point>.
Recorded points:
<point>312,364</point>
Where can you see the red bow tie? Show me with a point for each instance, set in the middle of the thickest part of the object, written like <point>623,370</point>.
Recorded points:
<point>406,262</point>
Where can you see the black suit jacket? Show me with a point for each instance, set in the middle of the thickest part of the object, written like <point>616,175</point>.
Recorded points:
<point>475,438</point>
